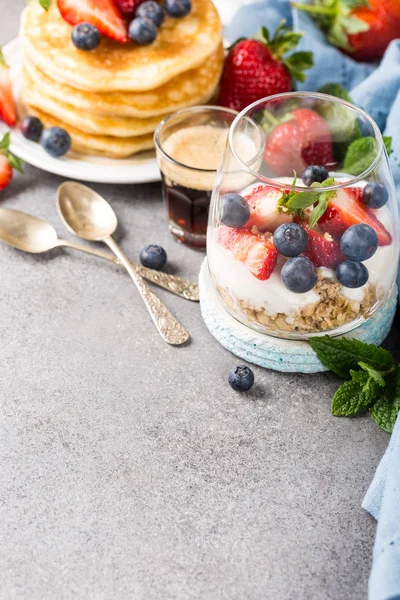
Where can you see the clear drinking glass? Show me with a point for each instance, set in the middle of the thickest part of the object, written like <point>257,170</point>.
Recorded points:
<point>294,252</point>
<point>189,146</point>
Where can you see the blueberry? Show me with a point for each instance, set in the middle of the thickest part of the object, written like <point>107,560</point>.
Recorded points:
<point>241,379</point>
<point>290,239</point>
<point>359,242</point>
<point>31,128</point>
<point>85,36</point>
<point>313,174</point>
<point>178,8</point>
<point>235,210</point>
<point>352,274</point>
<point>56,141</point>
<point>375,195</point>
<point>153,257</point>
<point>151,10</point>
<point>142,31</point>
<point>299,275</point>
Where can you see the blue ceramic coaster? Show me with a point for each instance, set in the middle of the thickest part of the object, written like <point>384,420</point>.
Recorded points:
<point>288,356</point>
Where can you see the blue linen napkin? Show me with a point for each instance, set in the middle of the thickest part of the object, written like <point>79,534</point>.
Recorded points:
<point>376,89</point>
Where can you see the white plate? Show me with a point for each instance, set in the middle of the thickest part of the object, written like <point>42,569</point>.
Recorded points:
<point>138,169</point>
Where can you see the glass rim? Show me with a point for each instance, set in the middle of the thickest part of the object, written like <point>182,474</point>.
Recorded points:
<point>198,108</point>
<point>317,95</point>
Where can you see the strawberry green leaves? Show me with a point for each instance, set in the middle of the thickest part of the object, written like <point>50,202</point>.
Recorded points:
<point>297,202</point>
<point>373,380</point>
<point>45,4</point>
<point>15,162</point>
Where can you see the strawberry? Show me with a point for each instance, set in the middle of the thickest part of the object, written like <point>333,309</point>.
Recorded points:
<point>322,249</point>
<point>302,141</point>
<point>255,251</point>
<point>362,28</point>
<point>7,105</point>
<point>347,209</point>
<point>7,162</point>
<point>257,68</point>
<point>128,7</point>
<point>264,211</point>
<point>103,14</point>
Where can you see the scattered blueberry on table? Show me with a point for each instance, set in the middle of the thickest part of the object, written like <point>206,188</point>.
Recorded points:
<point>241,379</point>
<point>85,36</point>
<point>314,174</point>
<point>235,210</point>
<point>31,128</point>
<point>153,257</point>
<point>290,239</point>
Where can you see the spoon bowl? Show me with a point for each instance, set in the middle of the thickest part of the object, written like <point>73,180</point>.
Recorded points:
<point>85,212</point>
<point>25,232</point>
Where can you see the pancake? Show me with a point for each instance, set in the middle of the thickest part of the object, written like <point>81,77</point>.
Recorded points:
<point>99,145</point>
<point>193,87</point>
<point>123,127</point>
<point>181,45</point>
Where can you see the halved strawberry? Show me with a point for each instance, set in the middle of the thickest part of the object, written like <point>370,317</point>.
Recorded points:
<point>264,211</point>
<point>258,254</point>
<point>323,250</point>
<point>347,209</point>
<point>8,113</point>
<point>101,13</point>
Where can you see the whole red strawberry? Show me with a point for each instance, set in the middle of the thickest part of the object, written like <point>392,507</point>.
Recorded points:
<point>362,28</point>
<point>257,68</point>
<point>303,140</point>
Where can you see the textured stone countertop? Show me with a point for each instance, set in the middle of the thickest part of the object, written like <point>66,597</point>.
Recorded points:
<point>130,469</point>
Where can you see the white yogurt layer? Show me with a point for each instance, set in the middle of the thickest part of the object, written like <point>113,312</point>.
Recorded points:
<point>272,296</point>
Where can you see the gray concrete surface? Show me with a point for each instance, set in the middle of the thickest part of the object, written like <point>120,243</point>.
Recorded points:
<point>129,469</point>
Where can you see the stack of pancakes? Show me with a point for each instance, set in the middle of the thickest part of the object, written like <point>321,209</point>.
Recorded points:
<point>111,99</point>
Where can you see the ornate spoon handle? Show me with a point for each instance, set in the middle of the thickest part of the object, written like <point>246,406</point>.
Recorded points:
<point>169,328</point>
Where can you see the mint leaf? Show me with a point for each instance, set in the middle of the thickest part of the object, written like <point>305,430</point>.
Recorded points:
<point>351,397</point>
<point>302,200</point>
<point>373,373</point>
<point>45,4</point>
<point>335,89</point>
<point>385,410</point>
<point>388,144</point>
<point>343,355</point>
<point>360,155</point>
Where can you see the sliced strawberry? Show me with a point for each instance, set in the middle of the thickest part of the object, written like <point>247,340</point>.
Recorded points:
<point>7,105</point>
<point>347,209</point>
<point>6,172</point>
<point>101,13</point>
<point>264,211</point>
<point>257,253</point>
<point>323,250</point>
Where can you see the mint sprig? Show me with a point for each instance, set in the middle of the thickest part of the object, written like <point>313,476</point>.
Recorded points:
<point>373,380</point>
<point>297,202</point>
<point>361,154</point>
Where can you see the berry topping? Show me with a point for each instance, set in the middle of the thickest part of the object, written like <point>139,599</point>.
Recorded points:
<point>299,275</point>
<point>375,195</point>
<point>56,141</point>
<point>258,68</point>
<point>235,210</point>
<point>347,209</point>
<point>290,239</point>
<point>85,36</point>
<point>103,14</point>
<point>153,257</point>
<point>352,274</point>
<point>128,7</point>
<point>7,162</point>
<point>323,250</point>
<point>178,8</point>
<point>241,379</point>
<point>7,105</point>
<point>153,11</point>
<point>313,174</point>
<point>264,212</point>
<point>31,128</point>
<point>359,242</point>
<point>302,141</point>
<point>256,252</point>
<point>142,31</point>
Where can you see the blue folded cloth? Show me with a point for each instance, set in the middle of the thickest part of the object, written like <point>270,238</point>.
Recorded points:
<point>376,89</point>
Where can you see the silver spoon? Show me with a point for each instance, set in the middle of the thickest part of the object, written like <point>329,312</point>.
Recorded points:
<point>90,217</point>
<point>31,234</point>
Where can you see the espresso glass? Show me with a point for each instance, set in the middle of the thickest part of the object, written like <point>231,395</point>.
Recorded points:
<point>190,144</point>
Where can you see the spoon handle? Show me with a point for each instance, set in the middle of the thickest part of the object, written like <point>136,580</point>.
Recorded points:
<point>176,285</point>
<point>169,328</point>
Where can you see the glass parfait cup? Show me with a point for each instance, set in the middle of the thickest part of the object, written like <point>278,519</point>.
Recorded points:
<point>303,233</point>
